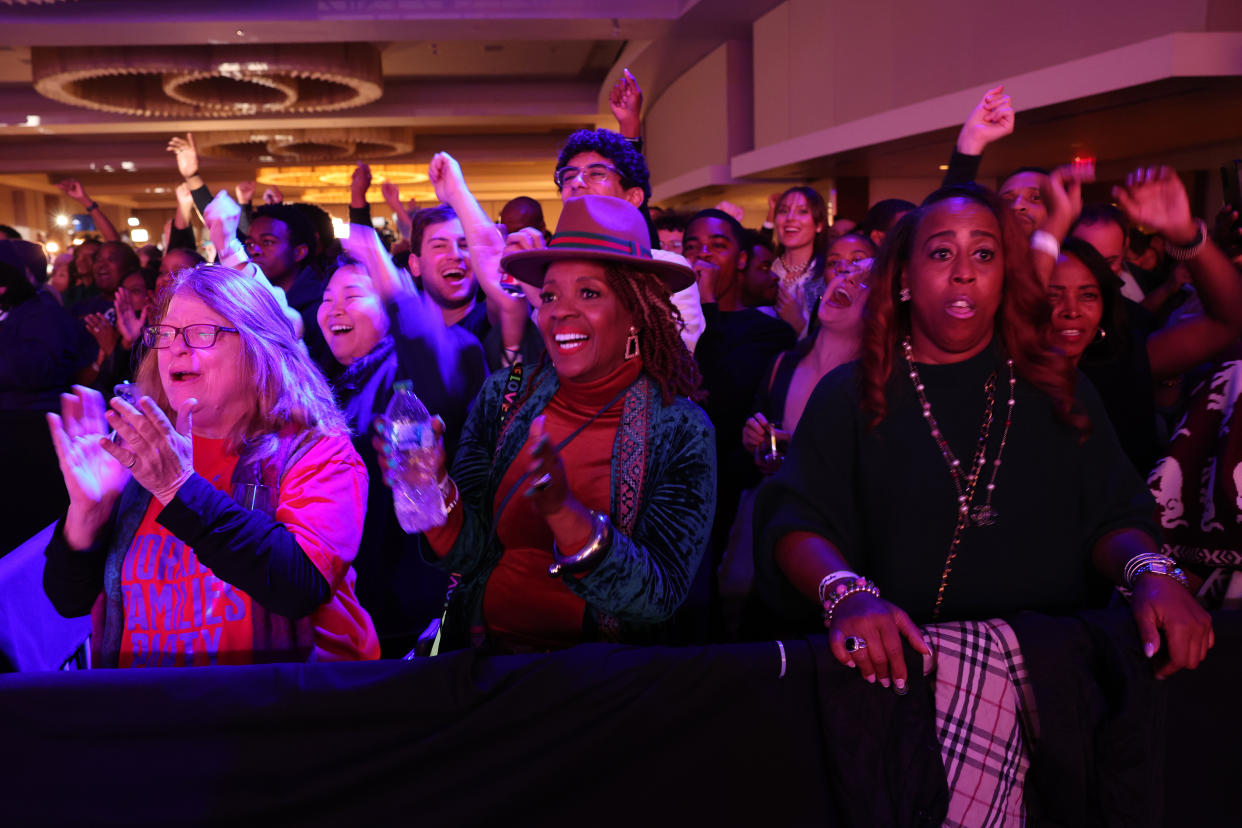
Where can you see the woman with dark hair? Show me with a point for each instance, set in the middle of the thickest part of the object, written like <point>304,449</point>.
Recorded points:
<point>229,537</point>
<point>802,241</point>
<point>834,341</point>
<point>1114,340</point>
<point>592,466</point>
<point>952,513</point>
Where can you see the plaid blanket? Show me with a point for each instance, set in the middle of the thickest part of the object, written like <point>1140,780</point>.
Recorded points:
<point>985,716</point>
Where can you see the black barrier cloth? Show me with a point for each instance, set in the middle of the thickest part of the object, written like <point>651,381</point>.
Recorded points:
<point>599,735</point>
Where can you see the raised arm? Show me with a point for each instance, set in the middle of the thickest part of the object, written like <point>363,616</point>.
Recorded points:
<point>990,120</point>
<point>74,189</point>
<point>486,247</point>
<point>626,102</point>
<point>392,197</point>
<point>1155,199</point>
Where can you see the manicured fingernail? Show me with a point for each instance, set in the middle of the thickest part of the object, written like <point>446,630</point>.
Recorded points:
<point>900,686</point>
<point>870,678</point>
<point>884,682</point>
<point>1150,649</point>
<point>850,664</point>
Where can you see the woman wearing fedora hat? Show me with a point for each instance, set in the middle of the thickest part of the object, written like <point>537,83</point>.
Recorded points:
<point>582,493</point>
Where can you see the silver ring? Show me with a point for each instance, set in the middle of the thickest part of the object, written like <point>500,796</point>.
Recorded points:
<point>854,643</point>
<point>542,483</point>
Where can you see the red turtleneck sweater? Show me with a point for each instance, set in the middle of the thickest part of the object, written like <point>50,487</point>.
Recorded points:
<point>524,608</point>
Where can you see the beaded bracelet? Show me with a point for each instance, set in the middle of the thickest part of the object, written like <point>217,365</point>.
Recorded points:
<point>830,578</point>
<point>844,589</point>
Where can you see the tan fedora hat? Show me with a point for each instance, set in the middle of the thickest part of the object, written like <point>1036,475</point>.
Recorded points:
<point>598,228</point>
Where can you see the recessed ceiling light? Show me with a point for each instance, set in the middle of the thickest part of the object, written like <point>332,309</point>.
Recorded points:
<point>943,167</point>
<point>139,236</point>
<point>240,33</point>
<point>133,221</point>
<point>128,165</point>
<point>62,221</point>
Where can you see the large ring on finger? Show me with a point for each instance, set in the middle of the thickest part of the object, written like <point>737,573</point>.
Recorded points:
<point>854,643</point>
<point>542,482</point>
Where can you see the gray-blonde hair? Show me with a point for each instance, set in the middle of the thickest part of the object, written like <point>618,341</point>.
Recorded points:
<point>289,389</point>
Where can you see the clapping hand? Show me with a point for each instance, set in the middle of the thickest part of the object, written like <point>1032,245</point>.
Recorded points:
<point>549,488</point>
<point>128,323</point>
<point>990,120</point>
<point>160,457</point>
<point>102,329</point>
<point>789,300</point>
<point>93,478</point>
<point>1154,199</point>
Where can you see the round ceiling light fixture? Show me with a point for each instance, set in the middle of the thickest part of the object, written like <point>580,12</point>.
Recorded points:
<point>305,145</point>
<point>211,81</point>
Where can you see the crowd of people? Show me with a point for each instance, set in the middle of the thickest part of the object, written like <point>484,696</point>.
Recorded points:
<point>651,427</point>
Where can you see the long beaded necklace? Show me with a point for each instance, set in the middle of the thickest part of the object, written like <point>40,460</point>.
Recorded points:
<point>966,483</point>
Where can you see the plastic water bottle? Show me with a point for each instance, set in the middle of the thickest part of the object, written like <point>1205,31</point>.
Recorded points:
<point>416,496</point>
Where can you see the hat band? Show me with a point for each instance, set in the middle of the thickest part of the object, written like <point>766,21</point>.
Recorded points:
<point>599,242</point>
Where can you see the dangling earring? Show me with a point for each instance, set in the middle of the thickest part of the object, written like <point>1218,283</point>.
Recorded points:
<point>631,344</point>
<point>904,295</point>
<point>1100,336</point>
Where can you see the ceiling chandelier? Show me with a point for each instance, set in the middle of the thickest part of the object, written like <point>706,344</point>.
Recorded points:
<point>211,81</point>
<point>319,144</point>
<point>339,175</point>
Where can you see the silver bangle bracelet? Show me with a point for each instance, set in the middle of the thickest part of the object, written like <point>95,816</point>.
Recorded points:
<point>586,557</point>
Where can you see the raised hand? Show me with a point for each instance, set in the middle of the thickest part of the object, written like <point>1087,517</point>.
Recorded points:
<point>359,183</point>
<point>394,467</point>
<point>626,102</point>
<point>392,195</point>
<point>990,120</point>
<point>185,205</point>
<point>773,200</point>
<point>1062,195</point>
<point>273,195</point>
<point>707,273</point>
<point>245,192</point>
<point>732,209</point>
<point>447,178</point>
<point>160,457</point>
<point>93,478</point>
<point>1154,199</point>
<point>74,189</point>
<point>187,154</point>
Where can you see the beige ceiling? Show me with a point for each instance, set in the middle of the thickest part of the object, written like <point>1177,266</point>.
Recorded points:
<point>498,84</point>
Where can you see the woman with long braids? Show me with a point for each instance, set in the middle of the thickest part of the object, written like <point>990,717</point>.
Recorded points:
<point>960,470</point>
<point>582,492</point>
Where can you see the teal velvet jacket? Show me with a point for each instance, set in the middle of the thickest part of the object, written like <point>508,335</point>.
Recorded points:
<point>663,499</point>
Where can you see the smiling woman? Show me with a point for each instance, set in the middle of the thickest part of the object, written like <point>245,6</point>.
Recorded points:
<point>150,514</point>
<point>948,511</point>
<point>587,481</point>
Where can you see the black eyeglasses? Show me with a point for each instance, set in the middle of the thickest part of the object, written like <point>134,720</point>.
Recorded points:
<point>590,174</point>
<point>194,336</point>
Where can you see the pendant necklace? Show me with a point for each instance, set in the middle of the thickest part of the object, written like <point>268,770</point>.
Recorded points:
<point>966,483</point>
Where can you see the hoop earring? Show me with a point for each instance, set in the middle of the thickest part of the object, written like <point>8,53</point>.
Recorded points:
<point>631,344</point>
<point>904,295</point>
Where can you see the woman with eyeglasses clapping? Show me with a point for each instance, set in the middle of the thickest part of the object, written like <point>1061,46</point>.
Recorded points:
<point>229,537</point>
